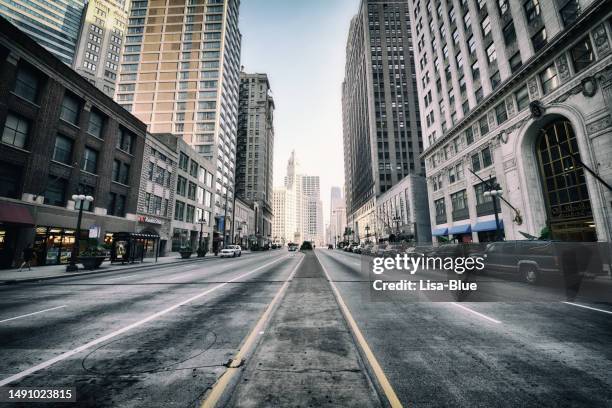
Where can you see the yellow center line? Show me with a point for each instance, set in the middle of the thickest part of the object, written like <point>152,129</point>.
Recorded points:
<point>365,347</point>
<point>217,391</point>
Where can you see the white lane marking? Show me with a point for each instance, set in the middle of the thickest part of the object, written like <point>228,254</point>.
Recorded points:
<point>31,314</point>
<point>176,277</point>
<point>476,313</point>
<point>120,277</point>
<point>588,307</point>
<point>116,333</point>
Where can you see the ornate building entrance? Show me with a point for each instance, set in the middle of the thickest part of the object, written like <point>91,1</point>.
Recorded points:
<point>569,212</point>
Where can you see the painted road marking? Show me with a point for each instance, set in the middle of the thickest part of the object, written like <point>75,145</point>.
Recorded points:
<point>116,333</point>
<point>476,313</point>
<point>217,390</point>
<point>588,307</point>
<point>378,371</point>
<point>31,314</point>
<point>120,277</point>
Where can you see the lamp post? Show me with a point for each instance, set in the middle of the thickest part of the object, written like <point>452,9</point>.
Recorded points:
<point>367,228</point>
<point>78,199</point>
<point>396,220</point>
<point>494,191</point>
<point>202,223</point>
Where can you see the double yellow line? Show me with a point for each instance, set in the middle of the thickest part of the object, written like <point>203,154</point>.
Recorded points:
<point>234,367</point>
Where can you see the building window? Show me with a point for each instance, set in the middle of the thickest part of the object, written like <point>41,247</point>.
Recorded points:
<point>440,211</point>
<point>503,6</point>
<point>27,84</point>
<point>179,211</point>
<point>582,54</point>
<point>55,193</point>
<point>570,12</point>
<point>495,80</point>
<point>70,110</point>
<point>460,205</point>
<point>486,26</point>
<point>509,33</point>
<point>15,131</point>
<point>491,53</point>
<point>125,141</point>
<point>487,158</point>
<point>121,172</point>
<point>532,10</point>
<point>189,215</point>
<point>181,186</point>
<point>484,125</point>
<point>539,40</point>
<point>191,191</point>
<point>476,162</point>
<point>515,62</point>
<point>479,95</point>
<point>475,71</point>
<point>62,152</point>
<point>183,161</point>
<point>522,98</point>
<point>96,122</point>
<point>500,113</point>
<point>484,204</point>
<point>549,79</point>
<point>116,205</point>
<point>90,160</point>
<point>469,135</point>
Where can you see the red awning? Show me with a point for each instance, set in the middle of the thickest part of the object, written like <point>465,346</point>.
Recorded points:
<point>11,213</point>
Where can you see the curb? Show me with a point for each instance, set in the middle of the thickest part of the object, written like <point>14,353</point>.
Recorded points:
<point>44,278</point>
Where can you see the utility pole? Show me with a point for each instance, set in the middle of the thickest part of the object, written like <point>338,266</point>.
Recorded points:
<point>225,217</point>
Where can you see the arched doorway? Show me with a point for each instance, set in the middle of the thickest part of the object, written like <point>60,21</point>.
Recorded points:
<point>568,206</point>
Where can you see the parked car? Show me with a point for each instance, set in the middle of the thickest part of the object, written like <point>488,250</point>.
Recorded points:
<point>292,247</point>
<point>231,251</point>
<point>534,261</point>
<point>330,246</point>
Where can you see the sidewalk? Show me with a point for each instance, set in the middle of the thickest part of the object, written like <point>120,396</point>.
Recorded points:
<point>10,276</point>
<point>307,356</point>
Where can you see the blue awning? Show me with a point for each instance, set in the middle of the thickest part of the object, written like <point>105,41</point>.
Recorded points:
<point>439,232</point>
<point>460,229</point>
<point>487,226</point>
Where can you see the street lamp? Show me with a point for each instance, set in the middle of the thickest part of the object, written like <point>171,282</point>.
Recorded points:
<point>396,220</point>
<point>202,223</point>
<point>494,190</point>
<point>367,228</point>
<point>78,199</point>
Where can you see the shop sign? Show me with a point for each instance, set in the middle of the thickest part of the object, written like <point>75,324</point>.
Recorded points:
<point>94,231</point>
<point>149,220</point>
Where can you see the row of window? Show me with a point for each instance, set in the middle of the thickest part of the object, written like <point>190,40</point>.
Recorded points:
<point>460,204</point>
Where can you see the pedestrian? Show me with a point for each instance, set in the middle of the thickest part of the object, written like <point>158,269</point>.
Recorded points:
<point>27,255</point>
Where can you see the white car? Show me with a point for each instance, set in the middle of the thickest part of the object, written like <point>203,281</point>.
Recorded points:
<point>231,251</point>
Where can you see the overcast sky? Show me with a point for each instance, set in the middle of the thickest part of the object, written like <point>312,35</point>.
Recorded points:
<point>300,44</point>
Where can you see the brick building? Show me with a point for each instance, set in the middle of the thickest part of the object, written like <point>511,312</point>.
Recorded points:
<point>60,136</point>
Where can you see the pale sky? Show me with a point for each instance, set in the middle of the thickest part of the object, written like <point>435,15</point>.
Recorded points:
<point>300,44</point>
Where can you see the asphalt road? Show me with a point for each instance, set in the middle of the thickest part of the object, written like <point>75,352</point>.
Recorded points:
<point>165,336</point>
<point>536,353</point>
<point>147,338</point>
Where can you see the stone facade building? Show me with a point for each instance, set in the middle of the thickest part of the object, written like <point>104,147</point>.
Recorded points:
<point>517,97</point>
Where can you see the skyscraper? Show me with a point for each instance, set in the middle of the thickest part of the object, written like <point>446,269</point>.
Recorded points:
<point>510,91</point>
<point>255,148</point>
<point>54,24</point>
<point>381,123</point>
<point>337,216</point>
<point>100,44</point>
<point>180,75</point>
<point>298,211</point>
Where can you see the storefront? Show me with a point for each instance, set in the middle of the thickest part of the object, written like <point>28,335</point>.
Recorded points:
<point>16,225</point>
<point>53,245</point>
<point>461,233</point>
